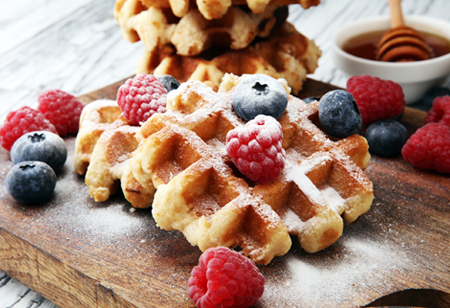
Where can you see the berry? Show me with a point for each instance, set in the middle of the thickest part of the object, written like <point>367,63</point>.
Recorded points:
<point>376,98</point>
<point>386,137</point>
<point>41,146</point>
<point>225,278</point>
<point>431,94</point>
<point>429,148</point>
<point>256,149</point>
<point>62,109</point>
<point>141,97</point>
<point>22,121</point>
<point>338,114</point>
<point>169,82</point>
<point>259,94</point>
<point>31,181</point>
<point>440,112</point>
<point>310,99</point>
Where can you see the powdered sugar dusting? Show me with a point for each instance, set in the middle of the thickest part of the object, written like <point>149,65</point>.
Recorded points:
<point>334,200</point>
<point>337,280</point>
<point>293,222</point>
<point>297,174</point>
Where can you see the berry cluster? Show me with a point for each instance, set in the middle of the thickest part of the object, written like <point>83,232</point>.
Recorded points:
<point>58,112</point>
<point>33,138</point>
<point>225,278</point>
<point>37,157</point>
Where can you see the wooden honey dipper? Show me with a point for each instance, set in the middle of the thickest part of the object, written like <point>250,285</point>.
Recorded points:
<point>401,43</point>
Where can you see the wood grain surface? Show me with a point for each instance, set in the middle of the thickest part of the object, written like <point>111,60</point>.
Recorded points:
<point>79,253</point>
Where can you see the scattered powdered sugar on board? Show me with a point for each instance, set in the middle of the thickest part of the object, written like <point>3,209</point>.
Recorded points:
<point>363,265</point>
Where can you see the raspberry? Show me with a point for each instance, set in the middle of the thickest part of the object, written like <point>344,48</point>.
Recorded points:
<point>141,97</point>
<point>376,98</point>
<point>256,148</point>
<point>225,278</point>
<point>22,121</point>
<point>429,148</point>
<point>62,109</point>
<point>440,111</point>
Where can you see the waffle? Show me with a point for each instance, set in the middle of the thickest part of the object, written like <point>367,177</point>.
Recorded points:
<point>95,118</point>
<point>109,160</point>
<point>211,9</point>
<point>182,156</point>
<point>287,54</point>
<point>103,146</point>
<point>193,34</point>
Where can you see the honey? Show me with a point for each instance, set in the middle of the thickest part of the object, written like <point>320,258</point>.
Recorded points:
<point>365,46</point>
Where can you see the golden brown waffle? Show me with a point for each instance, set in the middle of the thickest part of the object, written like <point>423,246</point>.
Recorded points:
<point>192,34</point>
<point>109,160</point>
<point>198,191</point>
<point>287,54</point>
<point>103,147</point>
<point>95,118</point>
<point>213,9</point>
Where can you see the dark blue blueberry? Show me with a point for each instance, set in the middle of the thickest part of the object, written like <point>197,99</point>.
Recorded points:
<point>169,82</point>
<point>431,94</point>
<point>310,99</point>
<point>259,94</point>
<point>40,146</point>
<point>31,182</point>
<point>339,115</point>
<point>386,137</point>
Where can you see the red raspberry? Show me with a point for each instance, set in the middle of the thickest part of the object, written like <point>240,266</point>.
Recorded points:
<point>225,278</point>
<point>440,111</point>
<point>62,109</point>
<point>376,98</point>
<point>22,121</point>
<point>429,148</point>
<point>141,97</point>
<point>256,149</point>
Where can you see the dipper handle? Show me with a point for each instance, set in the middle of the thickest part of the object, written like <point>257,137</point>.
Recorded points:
<point>397,20</point>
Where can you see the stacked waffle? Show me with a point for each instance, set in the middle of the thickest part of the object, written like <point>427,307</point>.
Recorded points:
<point>176,163</point>
<point>205,39</point>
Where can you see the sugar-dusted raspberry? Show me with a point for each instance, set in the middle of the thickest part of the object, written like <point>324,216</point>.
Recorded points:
<point>256,149</point>
<point>376,98</point>
<point>225,278</point>
<point>62,109</point>
<point>429,148</point>
<point>141,97</point>
<point>22,121</point>
<point>440,111</point>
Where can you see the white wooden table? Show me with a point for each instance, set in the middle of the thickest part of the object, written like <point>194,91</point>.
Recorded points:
<point>76,46</point>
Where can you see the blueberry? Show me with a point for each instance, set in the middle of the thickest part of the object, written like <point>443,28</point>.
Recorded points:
<point>310,99</point>
<point>31,182</point>
<point>431,94</point>
<point>259,94</point>
<point>169,82</point>
<point>386,137</point>
<point>339,115</point>
<point>40,146</point>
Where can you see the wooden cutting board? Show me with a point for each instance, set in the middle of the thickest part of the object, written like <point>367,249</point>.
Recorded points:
<point>79,253</point>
